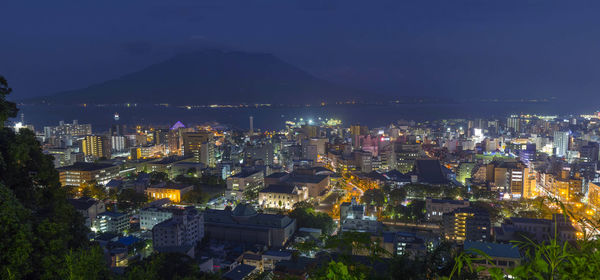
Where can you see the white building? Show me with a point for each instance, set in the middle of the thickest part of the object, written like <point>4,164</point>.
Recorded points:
<point>151,216</point>
<point>185,228</point>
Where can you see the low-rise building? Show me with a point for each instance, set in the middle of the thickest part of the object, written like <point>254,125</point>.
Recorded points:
<point>85,172</point>
<point>89,208</point>
<point>281,196</point>
<point>238,183</point>
<point>503,256</point>
<point>164,190</point>
<point>113,222</point>
<point>538,230</point>
<point>185,228</point>
<point>436,208</point>
<point>245,225</point>
<point>151,216</point>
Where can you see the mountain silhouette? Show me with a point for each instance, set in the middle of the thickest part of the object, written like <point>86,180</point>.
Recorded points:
<point>210,77</point>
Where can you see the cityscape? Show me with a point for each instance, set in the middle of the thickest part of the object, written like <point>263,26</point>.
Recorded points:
<point>213,163</point>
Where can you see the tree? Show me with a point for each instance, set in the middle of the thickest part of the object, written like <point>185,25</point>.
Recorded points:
<point>130,198</point>
<point>158,177</point>
<point>7,109</point>
<point>55,226</point>
<point>193,196</point>
<point>15,234</point>
<point>397,196</point>
<point>339,271</point>
<point>164,266</point>
<point>85,264</point>
<point>373,196</point>
<point>306,216</point>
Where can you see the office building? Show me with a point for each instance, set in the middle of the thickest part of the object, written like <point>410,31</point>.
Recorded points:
<point>466,223</point>
<point>96,146</point>
<point>85,172</point>
<point>561,143</point>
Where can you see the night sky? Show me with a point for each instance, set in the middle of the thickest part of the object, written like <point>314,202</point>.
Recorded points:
<point>454,48</point>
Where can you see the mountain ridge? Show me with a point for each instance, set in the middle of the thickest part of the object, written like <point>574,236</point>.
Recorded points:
<point>209,77</point>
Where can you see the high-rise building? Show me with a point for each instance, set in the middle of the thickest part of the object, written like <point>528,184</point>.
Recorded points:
<point>63,129</point>
<point>193,143</point>
<point>468,223</point>
<point>561,143</point>
<point>96,146</point>
<point>513,124</point>
<point>118,143</point>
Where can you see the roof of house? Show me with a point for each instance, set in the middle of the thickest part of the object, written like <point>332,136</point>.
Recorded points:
<point>82,203</point>
<point>310,179</point>
<point>85,166</point>
<point>276,188</point>
<point>245,218</point>
<point>244,210</point>
<point>239,272</point>
<point>278,175</point>
<point>112,214</point>
<point>494,249</point>
<point>430,171</point>
<point>281,254</point>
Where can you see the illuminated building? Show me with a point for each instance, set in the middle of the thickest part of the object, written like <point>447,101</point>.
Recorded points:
<point>151,216</point>
<point>464,171</point>
<point>95,146</point>
<point>466,223</point>
<point>112,222</point>
<point>172,192</point>
<point>281,196</point>
<point>530,183</point>
<point>561,143</point>
<point>85,172</point>
<point>199,145</point>
<point>150,151</point>
<point>594,195</point>
<point>74,129</point>
<point>238,183</point>
<point>513,124</point>
<point>118,143</point>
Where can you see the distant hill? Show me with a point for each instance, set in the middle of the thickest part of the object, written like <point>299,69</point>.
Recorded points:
<point>210,77</point>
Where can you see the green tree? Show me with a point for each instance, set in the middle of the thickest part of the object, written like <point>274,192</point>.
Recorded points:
<point>55,226</point>
<point>306,216</point>
<point>7,109</point>
<point>84,264</point>
<point>339,271</point>
<point>164,266</point>
<point>15,233</point>
<point>194,196</point>
<point>158,177</point>
<point>397,196</point>
<point>373,196</point>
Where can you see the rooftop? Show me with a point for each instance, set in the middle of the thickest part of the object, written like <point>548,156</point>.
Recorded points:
<point>85,166</point>
<point>288,189</point>
<point>494,249</point>
<point>83,203</point>
<point>239,272</point>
